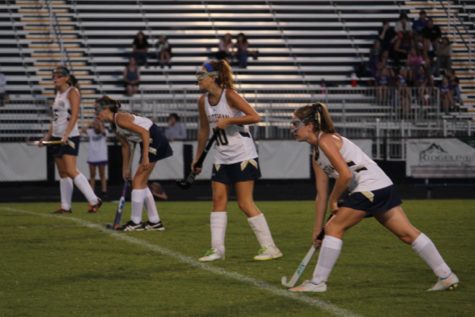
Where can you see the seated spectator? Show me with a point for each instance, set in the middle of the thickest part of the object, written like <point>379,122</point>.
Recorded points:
<point>420,23</point>
<point>3,89</point>
<point>446,97</point>
<point>176,130</point>
<point>403,24</point>
<point>387,36</point>
<point>225,48</point>
<point>442,54</point>
<point>243,51</point>
<point>131,77</point>
<point>164,51</point>
<point>140,49</point>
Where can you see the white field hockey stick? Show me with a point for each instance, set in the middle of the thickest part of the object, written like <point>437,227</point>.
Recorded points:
<point>300,269</point>
<point>303,264</point>
<point>54,142</point>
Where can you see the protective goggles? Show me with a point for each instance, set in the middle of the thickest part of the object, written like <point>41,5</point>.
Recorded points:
<point>296,124</point>
<point>200,75</point>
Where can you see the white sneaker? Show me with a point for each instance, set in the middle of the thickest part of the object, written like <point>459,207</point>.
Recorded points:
<point>308,286</point>
<point>449,283</point>
<point>268,253</point>
<point>211,255</point>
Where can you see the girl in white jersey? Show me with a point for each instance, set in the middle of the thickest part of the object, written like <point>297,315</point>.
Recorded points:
<point>369,193</point>
<point>222,110</point>
<point>154,146</point>
<point>64,127</point>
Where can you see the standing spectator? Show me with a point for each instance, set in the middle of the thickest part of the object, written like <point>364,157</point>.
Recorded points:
<point>164,51</point>
<point>97,154</point>
<point>403,24</point>
<point>176,130</point>
<point>431,34</point>
<point>140,49</point>
<point>442,53</point>
<point>401,47</point>
<point>3,88</point>
<point>383,80</point>
<point>225,48</point>
<point>242,50</point>
<point>404,91</point>
<point>387,36</point>
<point>446,97</point>
<point>420,23</point>
<point>131,77</point>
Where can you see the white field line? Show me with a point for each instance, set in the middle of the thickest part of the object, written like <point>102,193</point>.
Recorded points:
<point>259,284</point>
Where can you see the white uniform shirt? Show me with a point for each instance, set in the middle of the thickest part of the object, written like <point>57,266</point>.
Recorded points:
<point>97,151</point>
<point>131,136</point>
<point>367,175</point>
<point>239,148</point>
<point>62,114</point>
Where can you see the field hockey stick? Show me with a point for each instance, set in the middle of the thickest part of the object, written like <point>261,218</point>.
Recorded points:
<point>120,208</point>
<point>190,179</point>
<point>54,142</point>
<point>303,264</point>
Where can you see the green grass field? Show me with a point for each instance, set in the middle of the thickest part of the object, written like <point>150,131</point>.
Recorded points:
<point>70,266</point>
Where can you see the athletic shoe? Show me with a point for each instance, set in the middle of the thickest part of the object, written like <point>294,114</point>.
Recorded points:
<point>62,211</point>
<point>309,286</point>
<point>132,226</point>
<point>268,253</point>
<point>95,208</point>
<point>211,255</point>
<point>449,283</point>
<point>153,226</point>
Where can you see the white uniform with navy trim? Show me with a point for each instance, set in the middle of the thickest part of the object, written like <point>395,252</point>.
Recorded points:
<point>367,175</point>
<point>62,114</point>
<point>131,136</point>
<point>240,145</point>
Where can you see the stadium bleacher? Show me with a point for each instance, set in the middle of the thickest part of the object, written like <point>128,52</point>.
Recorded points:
<point>299,42</point>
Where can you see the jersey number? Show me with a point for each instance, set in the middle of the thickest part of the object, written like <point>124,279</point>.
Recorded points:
<point>221,138</point>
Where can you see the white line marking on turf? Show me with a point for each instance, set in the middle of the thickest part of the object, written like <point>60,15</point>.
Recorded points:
<point>315,302</point>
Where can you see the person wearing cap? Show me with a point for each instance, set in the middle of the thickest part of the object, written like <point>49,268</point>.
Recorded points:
<point>64,127</point>
<point>236,164</point>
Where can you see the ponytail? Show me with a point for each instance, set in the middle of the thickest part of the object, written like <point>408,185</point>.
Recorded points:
<point>225,74</point>
<point>318,114</point>
<point>107,102</point>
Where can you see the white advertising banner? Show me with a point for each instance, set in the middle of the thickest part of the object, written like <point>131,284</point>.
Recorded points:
<point>439,158</point>
<point>20,162</point>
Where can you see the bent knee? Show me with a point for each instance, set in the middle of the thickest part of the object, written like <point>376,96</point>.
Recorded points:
<point>334,230</point>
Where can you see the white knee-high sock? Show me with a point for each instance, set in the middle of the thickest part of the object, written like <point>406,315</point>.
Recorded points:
<point>329,253</point>
<point>137,199</point>
<point>261,229</point>
<point>153,215</point>
<point>218,223</point>
<point>66,188</point>
<point>82,183</point>
<point>428,252</point>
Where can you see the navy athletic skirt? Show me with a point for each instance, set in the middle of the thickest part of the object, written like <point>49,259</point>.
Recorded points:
<point>159,147</point>
<point>58,150</point>
<point>379,200</point>
<point>236,172</point>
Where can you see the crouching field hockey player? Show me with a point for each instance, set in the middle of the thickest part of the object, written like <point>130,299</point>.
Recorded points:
<point>370,193</point>
<point>154,147</point>
<point>236,163</point>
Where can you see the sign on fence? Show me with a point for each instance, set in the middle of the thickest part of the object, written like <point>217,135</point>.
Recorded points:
<point>439,158</point>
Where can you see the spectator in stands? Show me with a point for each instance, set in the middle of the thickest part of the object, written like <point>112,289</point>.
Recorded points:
<point>140,49</point>
<point>446,95</point>
<point>420,23</point>
<point>413,61</point>
<point>401,47</point>
<point>226,48</point>
<point>97,154</point>
<point>387,36</point>
<point>403,24</point>
<point>243,51</point>
<point>404,91</point>
<point>383,78</point>
<point>176,130</point>
<point>3,89</point>
<point>164,51</point>
<point>374,55</point>
<point>431,34</point>
<point>64,128</point>
<point>454,86</point>
<point>131,77</point>
<point>361,189</point>
<point>422,79</point>
<point>443,52</point>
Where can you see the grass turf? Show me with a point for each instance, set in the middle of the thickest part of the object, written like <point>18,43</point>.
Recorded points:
<point>54,267</point>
